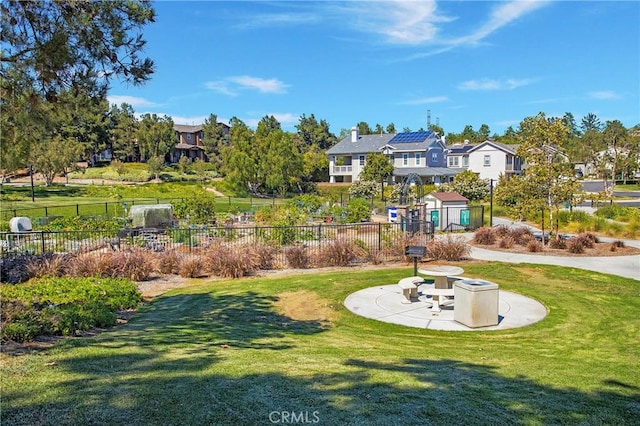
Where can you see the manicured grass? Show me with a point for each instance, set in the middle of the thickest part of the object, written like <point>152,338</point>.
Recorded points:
<point>236,352</point>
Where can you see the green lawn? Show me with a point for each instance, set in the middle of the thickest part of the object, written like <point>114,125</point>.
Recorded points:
<point>236,352</point>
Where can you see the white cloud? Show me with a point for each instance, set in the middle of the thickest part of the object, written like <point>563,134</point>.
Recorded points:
<point>401,22</point>
<point>424,101</point>
<point>231,85</point>
<point>277,19</point>
<point>220,86</point>
<point>604,94</point>
<point>490,84</point>
<point>131,100</point>
<point>502,15</point>
<point>262,85</point>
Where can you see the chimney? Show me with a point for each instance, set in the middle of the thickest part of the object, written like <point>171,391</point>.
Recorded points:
<point>354,134</point>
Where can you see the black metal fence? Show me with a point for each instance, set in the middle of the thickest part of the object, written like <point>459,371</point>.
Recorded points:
<point>386,239</point>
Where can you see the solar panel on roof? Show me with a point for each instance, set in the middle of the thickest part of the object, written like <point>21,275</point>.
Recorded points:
<point>410,137</point>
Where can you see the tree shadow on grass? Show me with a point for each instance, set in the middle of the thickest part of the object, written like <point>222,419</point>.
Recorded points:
<point>169,366</point>
<point>407,392</point>
<point>238,321</point>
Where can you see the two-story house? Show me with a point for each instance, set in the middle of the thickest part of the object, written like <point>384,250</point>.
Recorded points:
<point>458,155</point>
<point>491,159</point>
<point>420,153</point>
<point>190,142</point>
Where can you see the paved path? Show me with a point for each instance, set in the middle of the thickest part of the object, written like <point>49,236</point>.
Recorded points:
<point>624,266</point>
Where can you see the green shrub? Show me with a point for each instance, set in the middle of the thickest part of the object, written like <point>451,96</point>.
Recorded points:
<point>358,210</point>
<point>63,306</point>
<point>199,206</point>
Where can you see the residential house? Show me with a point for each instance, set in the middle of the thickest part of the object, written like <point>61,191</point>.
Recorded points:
<point>419,153</point>
<point>491,159</point>
<point>458,155</point>
<point>190,142</point>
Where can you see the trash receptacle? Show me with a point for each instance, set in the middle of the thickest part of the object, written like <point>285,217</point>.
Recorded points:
<point>476,303</point>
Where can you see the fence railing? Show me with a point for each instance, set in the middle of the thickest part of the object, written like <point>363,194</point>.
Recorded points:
<point>387,239</point>
<point>112,209</point>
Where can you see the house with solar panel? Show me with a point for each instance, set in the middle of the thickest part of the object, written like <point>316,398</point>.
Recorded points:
<point>419,153</point>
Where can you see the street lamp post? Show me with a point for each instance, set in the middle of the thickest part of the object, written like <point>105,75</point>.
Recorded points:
<point>490,203</point>
<point>33,198</point>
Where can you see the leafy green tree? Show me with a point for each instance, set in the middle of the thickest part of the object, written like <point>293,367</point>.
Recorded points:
<point>156,136</point>
<point>590,122</point>
<point>315,166</point>
<point>378,168</point>
<point>358,210</point>
<point>81,113</point>
<point>239,159</point>
<point>437,129</point>
<point>55,44</point>
<point>391,128</point>
<point>618,143</point>
<point>55,157</point>
<point>122,132</point>
<point>314,133</point>
<point>282,163</point>
<point>546,173</point>
<point>363,128</point>
<point>183,165</point>
<point>155,165</point>
<point>214,140</point>
<point>200,168</point>
<point>482,134</point>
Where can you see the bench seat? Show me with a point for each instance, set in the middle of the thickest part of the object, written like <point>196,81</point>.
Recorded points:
<point>409,287</point>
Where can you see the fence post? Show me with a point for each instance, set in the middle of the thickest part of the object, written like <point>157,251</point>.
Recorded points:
<point>46,211</point>
<point>77,210</point>
<point>106,209</point>
<point>189,233</point>
<point>42,240</point>
<point>379,235</point>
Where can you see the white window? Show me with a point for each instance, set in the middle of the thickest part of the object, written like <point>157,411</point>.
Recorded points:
<point>509,160</point>
<point>417,158</point>
<point>487,160</point>
<point>361,158</point>
<point>453,161</point>
<point>434,156</point>
<point>465,161</point>
<point>405,159</point>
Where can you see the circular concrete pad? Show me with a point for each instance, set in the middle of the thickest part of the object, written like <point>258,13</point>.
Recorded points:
<point>387,304</point>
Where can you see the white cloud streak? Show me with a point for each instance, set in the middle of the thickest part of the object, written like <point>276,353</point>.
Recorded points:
<point>500,16</point>
<point>424,101</point>
<point>604,95</point>
<point>490,84</point>
<point>230,86</point>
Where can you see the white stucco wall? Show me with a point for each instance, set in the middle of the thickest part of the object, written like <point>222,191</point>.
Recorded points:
<point>496,167</point>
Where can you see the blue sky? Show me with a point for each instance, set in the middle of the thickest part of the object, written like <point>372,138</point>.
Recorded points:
<point>468,62</point>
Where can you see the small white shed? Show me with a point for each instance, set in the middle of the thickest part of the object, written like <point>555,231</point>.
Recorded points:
<point>446,210</point>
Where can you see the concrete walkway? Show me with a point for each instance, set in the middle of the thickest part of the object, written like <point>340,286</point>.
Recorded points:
<point>624,266</point>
